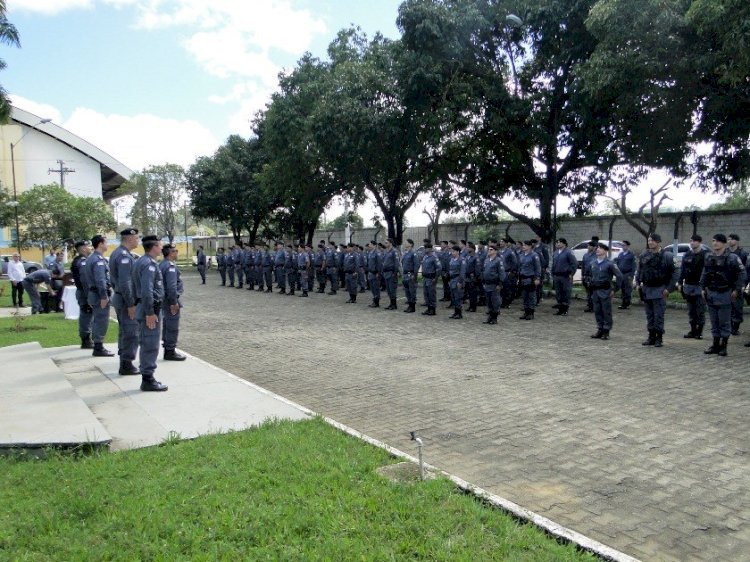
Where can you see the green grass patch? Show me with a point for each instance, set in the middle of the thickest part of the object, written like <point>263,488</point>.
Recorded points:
<point>50,330</point>
<point>284,491</point>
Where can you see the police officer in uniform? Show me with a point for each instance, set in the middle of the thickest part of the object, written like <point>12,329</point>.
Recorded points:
<point>722,280</point>
<point>656,278</point>
<point>473,274</point>
<point>30,283</point>
<point>493,276</point>
<point>390,273</point>
<point>738,303</point>
<point>99,293</point>
<point>510,262</point>
<point>303,268</point>
<point>149,290</point>
<point>690,286</point>
<point>120,270</point>
<point>601,271</point>
<point>332,271</point>
<point>409,271</point>
<point>201,263</point>
<point>530,274</point>
<point>230,266</point>
<point>444,255</point>
<point>173,289</point>
<point>543,252</point>
<point>221,265</point>
<point>279,263</point>
<point>431,270</point>
<point>625,262</point>
<point>564,267</point>
<point>77,268</point>
<point>457,275</point>
<point>350,273</point>
<point>268,268</point>
<point>374,266</point>
<point>319,265</point>
<point>588,257</point>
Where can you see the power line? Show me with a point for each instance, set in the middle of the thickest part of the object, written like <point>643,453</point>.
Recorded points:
<point>62,170</point>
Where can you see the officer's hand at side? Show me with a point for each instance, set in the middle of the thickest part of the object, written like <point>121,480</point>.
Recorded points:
<point>174,308</point>
<point>103,303</point>
<point>131,312</point>
<point>151,321</point>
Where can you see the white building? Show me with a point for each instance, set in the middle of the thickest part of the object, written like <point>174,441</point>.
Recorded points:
<point>39,147</point>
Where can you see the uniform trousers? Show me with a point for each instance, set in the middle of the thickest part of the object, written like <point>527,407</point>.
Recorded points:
<point>85,316</point>
<point>563,289</point>
<point>627,289</point>
<point>99,321</point>
<point>33,292</point>
<point>720,312</point>
<point>149,350</point>
<point>391,280</point>
<point>528,293</point>
<point>457,292</point>
<point>223,275</point>
<point>267,274</point>
<point>655,310</point>
<point>333,275</point>
<point>128,333</point>
<point>492,296</point>
<point>410,287</point>
<point>374,280</point>
<point>280,277</point>
<point>350,278</point>
<point>171,328</point>
<point>429,290</point>
<point>602,301</point>
<point>202,272</point>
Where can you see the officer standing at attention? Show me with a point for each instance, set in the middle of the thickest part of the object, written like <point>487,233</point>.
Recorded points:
<point>374,265</point>
<point>444,255</point>
<point>588,257</point>
<point>78,268</point>
<point>564,267</point>
<point>409,271</point>
<point>332,271</point>
<point>350,273</point>
<point>201,259</point>
<point>738,303</point>
<point>656,278</point>
<point>221,265</point>
<point>99,292</point>
<point>543,252</point>
<point>431,270</point>
<point>493,275</point>
<point>390,273</point>
<point>258,265</point>
<point>303,268</point>
<point>268,268</point>
<point>601,271</point>
<point>120,270</point>
<point>473,273</point>
<point>361,268</point>
<point>722,281</point>
<point>149,289</point>
<point>625,262</point>
<point>173,289</point>
<point>457,274</point>
<point>690,287</point>
<point>510,262</point>
<point>230,266</point>
<point>530,273</point>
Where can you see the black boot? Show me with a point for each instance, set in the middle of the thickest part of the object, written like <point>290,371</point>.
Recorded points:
<point>735,328</point>
<point>658,341</point>
<point>605,334</point>
<point>374,304</point>
<point>172,355</point>
<point>491,318</point>
<point>714,347</point>
<point>457,315</point>
<point>150,384</point>
<point>332,292</point>
<point>651,338</point>
<point>127,368</point>
<point>691,333</point>
<point>525,314</point>
<point>723,347</point>
<point>411,308</point>
<point>392,306</point>
<point>472,309</point>
<point>562,310</point>
<point>353,298</point>
<point>747,344</point>
<point>598,335</point>
<point>101,351</point>
<point>429,312</point>
<point>304,294</point>
<point>698,332</point>
<point>86,342</point>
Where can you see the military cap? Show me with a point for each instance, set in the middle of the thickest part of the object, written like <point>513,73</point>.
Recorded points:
<point>82,243</point>
<point>150,238</point>
<point>655,237</point>
<point>96,240</point>
<point>734,237</point>
<point>603,246</point>
<point>626,242</point>
<point>720,238</point>
<point>562,241</point>
<point>129,232</point>
<point>696,238</point>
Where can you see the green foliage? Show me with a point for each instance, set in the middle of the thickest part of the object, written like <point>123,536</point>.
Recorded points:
<point>159,193</point>
<point>738,197</point>
<point>283,491</point>
<point>339,223</point>
<point>8,36</point>
<point>50,215</point>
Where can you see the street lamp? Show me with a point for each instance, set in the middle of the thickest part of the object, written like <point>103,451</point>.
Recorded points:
<point>14,203</point>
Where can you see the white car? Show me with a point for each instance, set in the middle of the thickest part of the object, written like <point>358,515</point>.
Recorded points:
<point>29,266</point>
<point>580,249</point>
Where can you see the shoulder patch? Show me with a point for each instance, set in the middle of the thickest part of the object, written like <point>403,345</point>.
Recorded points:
<point>100,262</point>
<point>151,268</point>
<point>171,269</point>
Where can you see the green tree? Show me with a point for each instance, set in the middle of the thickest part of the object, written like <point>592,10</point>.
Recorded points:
<point>50,216</point>
<point>738,197</point>
<point>8,36</point>
<point>159,193</point>
<point>339,223</point>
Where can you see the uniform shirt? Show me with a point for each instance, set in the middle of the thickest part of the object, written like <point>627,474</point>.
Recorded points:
<point>201,258</point>
<point>303,261</point>
<point>530,266</point>
<point>543,252</point>
<point>148,285</point>
<point>669,281</point>
<point>221,260</point>
<point>742,254</point>
<point>409,264</point>
<point>457,268</point>
<point>625,262</point>
<point>279,258</point>
<point>39,276</point>
<point>229,259</point>
<point>16,272</point>
<point>692,267</point>
<point>78,265</point>
<point>121,274</point>
<point>390,261</point>
<point>472,266</point>
<point>510,260</point>
<point>267,259</point>
<point>601,272</point>
<point>237,256</point>
<point>57,269</point>
<point>431,266</point>
<point>319,258</point>
<point>736,274</point>
<point>374,261</point>
<point>493,271</point>
<point>564,262</point>
<point>97,274</point>
<point>330,258</point>
<point>350,262</point>
<point>588,257</point>
<point>173,287</point>
<point>445,259</point>
<point>49,259</point>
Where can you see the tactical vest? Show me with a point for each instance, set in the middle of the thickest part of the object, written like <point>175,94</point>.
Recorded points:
<point>718,273</point>
<point>653,270</point>
<point>692,267</point>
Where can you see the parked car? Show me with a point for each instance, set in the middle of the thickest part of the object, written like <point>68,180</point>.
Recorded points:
<point>28,266</point>
<point>682,249</point>
<point>580,249</point>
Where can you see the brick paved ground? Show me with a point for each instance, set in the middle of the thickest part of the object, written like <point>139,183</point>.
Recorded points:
<point>643,449</point>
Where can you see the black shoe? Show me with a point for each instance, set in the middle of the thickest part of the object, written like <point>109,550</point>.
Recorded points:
<point>101,351</point>
<point>598,334</point>
<point>605,334</point>
<point>411,308</point>
<point>471,309</point>
<point>86,343</point>
<point>127,368</point>
<point>304,294</point>
<point>374,304</point>
<point>349,301</point>
<point>690,334</point>
<point>698,332</point>
<point>332,292</point>
<point>588,309</point>
<point>623,307</point>
<point>556,305</point>
<point>152,385</point>
<point>714,347</point>
<point>269,290</point>
<point>658,341</point>
<point>172,355</point>
<point>723,347</point>
<point>393,305</point>
<point>651,340</point>
<point>562,311</point>
<point>282,291</point>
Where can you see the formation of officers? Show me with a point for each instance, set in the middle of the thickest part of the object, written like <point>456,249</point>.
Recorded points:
<point>145,294</point>
<point>497,272</point>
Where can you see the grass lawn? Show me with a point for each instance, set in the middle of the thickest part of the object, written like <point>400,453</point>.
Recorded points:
<point>50,330</point>
<point>284,491</point>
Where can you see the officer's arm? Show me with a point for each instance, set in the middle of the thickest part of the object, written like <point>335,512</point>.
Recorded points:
<point>125,281</point>
<point>675,273</point>
<point>618,276</point>
<point>170,285</point>
<point>147,289</point>
<point>100,280</point>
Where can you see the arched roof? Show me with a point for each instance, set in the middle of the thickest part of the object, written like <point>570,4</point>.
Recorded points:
<point>114,172</point>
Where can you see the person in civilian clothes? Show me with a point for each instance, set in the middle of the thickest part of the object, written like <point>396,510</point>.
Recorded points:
<point>493,275</point>
<point>625,262</point>
<point>77,268</point>
<point>530,274</point>
<point>564,267</point>
<point>148,285</point>
<point>656,277</point>
<point>16,274</point>
<point>601,271</point>
<point>738,303</point>
<point>431,270</point>
<point>409,271</point>
<point>690,286</point>
<point>173,289</point>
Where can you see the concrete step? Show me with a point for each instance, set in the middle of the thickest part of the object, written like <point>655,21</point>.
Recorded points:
<point>39,407</point>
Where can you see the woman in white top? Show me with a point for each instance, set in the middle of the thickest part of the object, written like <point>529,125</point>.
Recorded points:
<point>16,274</point>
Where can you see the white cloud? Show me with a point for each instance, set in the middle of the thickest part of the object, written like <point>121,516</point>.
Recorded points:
<point>142,140</point>
<point>41,110</point>
<point>47,7</point>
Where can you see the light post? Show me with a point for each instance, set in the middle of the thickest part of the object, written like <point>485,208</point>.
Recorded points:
<point>14,203</point>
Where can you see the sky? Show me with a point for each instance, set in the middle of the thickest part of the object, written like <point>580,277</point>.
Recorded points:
<point>157,81</point>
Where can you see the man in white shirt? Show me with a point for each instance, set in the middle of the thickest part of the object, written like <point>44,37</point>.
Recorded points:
<point>16,274</point>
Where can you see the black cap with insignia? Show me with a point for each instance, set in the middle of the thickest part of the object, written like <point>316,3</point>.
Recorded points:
<point>129,232</point>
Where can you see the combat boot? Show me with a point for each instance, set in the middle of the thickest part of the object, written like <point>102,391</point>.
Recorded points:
<point>723,347</point>
<point>304,294</point>
<point>127,368</point>
<point>472,309</point>
<point>562,310</point>
<point>374,304</point>
<point>457,315</point>
<point>691,333</point>
<point>393,305</point>
<point>410,308</point>
<point>735,328</point>
<point>332,293</point>
<point>605,334</point>
<point>714,347</point>
<point>101,351</point>
<point>525,314</point>
<point>291,291</point>
<point>172,355</point>
<point>86,342</point>
<point>282,291</point>
<point>651,340</point>
<point>150,384</point>
<point>598,335</point>
<point>658,342</point>
<point>698,333</point>
<point>747,344</point>
<point>349,301</point>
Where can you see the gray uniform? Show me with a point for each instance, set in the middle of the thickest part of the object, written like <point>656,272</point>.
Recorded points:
<point>121,271</point>
<point>588,257</point>
<point>173,289</point>
<point>201,259</point>
<point>332,271</point>
<point>625,262</point>
<point>374,267</point>
<point>279,267</point>
<point>656,273</point>
<point>303,268</point>
<point>431,270</point>
<point>78,269</point>
<point>457,275</point>
<point>564,266</point>
<point>100,288</point>
<point>319,260</point>
<point>351,275</point>
<point>690,280</point>
<point>739,302</point>
<point>149,289</point>
<point>529,270</point>
<point>510,263</point>
<point>493,276</point>
<point>390,272</point>
<point>600,273</point>
<point>722,274</point>
<point>409,269</point>
<point>229,260</point>
<point>30,283</point>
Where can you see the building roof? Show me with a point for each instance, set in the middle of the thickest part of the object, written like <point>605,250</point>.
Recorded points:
<point>114,172</point>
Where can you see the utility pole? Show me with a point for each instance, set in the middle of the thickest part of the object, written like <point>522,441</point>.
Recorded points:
<point>62,170</point>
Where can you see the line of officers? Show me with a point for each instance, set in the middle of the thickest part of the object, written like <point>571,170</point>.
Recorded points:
<point>145,294</point>
<point>497,272</point>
